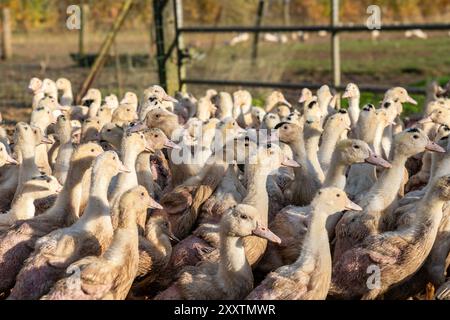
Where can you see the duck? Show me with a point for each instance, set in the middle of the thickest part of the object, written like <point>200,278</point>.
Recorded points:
<point>90,129</point>
<point>335,127</point>
<point>396,254</point>
<point>35,86</point>
<point>242,108</point>
<point>26,139</point>
<point>231,277</point>
<point>168,123</point>
<point>90,235</point>
<point>324,98</point>
<point>17,243</point>
<point>110,275</point>
<point>153,94</point>
<point>203,241</point>
<point>295,191</point>
<point>5,157</point>
<point>23,207</point>
<point>312,132</point>
<point>371,125</point>
<point>223,102</point>
<point>347,152</point>
<point>130,99</point>
<point>309,277</point>
<point>156,141</point>
<point>49,88</point>
<point>354,227</point>
<point>443,292</point>
<point>63,130</point>
<point>92,100</point>
<point>155,250</point>
<point>205,109</point>
<point>353,95</point>
<point>65,86</point>
<point>132,145</point>
<point>275,99</point>
<point>305,95</point>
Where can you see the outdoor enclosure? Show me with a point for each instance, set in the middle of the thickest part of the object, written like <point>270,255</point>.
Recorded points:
<point>204,30</point>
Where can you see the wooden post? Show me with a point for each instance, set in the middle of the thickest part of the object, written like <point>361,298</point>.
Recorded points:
<point>7,34</point>
<point>98,64</point>
<point>169,18</point>
<point>83,29</point>
<point>287,12</point>
<point>335,44</point>
<point>178,12</point>
<point>258,22</point>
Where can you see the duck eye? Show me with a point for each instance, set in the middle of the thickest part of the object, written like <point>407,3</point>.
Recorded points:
<point>285,127</point>
<point>109,130</point>
<point>338,195</point>
<point>244,217</point>
<point>157,116</point>
<point>416,136</point>
<point>92,150</point>
<point>35,131</point>
<point>128,109</point>
<point>114,158</point>
<point>356,147</point>
<point>156,136</point>
<point>142,194</point>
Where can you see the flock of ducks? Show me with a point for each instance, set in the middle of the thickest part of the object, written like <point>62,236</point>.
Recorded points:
<point>328,203</point>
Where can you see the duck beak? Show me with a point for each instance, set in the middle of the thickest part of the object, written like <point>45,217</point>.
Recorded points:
<point>45,140</point>
<point>169,144</point>
<point>425,120</point>
<point>351,206</point>
<point>154,205</point>
<point>173,237</point>
<point>59,189</point>
<point>286,103</point>
<point>169,98</point>
<point>434,147</point>
<point>411,100</point>
<point>302,99</point>
<point>124,169</point>
<point>11,160</point>
<point>377,161</point>
<point>290,163</point>
<point>346,95</point>
<point>140,126</point>
<point>265,233</point>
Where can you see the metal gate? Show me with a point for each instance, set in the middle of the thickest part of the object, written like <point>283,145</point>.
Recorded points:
<point>335,28</point>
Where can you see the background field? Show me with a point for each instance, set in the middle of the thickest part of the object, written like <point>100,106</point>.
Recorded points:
<point>42,46</point>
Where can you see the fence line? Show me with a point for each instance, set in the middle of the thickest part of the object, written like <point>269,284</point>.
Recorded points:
<point>335,27</point>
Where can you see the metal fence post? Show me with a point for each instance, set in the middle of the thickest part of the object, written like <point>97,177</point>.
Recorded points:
<point>158,6</point>
<point>335,44</point>
<point>257,25</point>
<point>178,12</point>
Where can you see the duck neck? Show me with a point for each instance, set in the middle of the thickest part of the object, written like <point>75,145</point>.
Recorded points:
<point>93,108</point>
<point>316,241</point>
<point>67,96</point>
<point>23,206</point>
<point>127,180</point>
<point>336,174</point>
<point>233,262</point>
<point>354,109</point>
<point>257,196</point>
<point>330,138</point>
<point>388,184</point>
<point>67,205</point>
<point>375,143</point>
<point>312,147</point>
<point>28,167</point>
<point>98,204</point>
